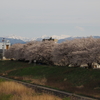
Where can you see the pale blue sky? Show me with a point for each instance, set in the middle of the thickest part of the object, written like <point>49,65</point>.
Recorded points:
<point>34,18</point>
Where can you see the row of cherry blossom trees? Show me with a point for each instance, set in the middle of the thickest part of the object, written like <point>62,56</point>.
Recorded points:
<point>71,52</point>
<point>35,50</point>
<point>77,52</point>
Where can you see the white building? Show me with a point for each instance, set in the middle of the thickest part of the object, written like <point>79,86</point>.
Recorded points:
<point>4,45</point>
<point>95,65</point>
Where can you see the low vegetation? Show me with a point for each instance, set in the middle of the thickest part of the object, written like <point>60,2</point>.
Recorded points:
<point>76,80</point>
<point>14,91</point>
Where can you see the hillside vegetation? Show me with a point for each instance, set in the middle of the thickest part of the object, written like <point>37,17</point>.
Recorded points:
<point>76,80</point>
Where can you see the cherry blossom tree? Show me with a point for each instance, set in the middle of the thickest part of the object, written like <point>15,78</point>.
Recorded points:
<point>10,53</point>
<point>71,52</point>
<point>44,52</point>
<point>62,53</point>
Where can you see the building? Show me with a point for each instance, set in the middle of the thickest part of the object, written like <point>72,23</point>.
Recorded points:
<point>95,65</point>
<point>50,39</point>
<point>4,45</point>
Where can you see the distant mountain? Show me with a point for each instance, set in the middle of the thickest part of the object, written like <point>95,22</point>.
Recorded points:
<point>13,41</point>
<point>71,38</point>
<point>62,40</point>
<point>38,38</point>
<point>96,36</point>
<point>53,36</point>
<point>18,39</point>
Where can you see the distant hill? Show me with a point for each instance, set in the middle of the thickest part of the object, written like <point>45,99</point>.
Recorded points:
<point>71,38</point>
<point>13,41</point>
<point>96,36</point>
<point>21,40</point>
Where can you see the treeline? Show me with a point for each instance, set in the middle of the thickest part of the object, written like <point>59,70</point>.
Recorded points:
<point>71,52</point>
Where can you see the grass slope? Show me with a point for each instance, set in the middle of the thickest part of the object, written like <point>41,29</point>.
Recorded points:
<point>14,91</point>
<point>76,80</point>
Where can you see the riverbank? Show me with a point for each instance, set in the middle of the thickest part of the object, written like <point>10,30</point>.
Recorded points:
<point>75,80</point>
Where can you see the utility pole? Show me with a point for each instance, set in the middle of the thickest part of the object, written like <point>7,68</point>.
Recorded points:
<point>3,48</point>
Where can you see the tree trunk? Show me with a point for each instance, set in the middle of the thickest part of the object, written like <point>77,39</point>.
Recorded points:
<point>90,65</point>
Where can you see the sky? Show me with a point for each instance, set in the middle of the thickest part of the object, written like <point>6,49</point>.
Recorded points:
<point>35,18</point>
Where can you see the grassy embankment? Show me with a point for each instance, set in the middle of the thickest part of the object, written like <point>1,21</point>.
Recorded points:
<point>14,91</point>
<point>77,80</point>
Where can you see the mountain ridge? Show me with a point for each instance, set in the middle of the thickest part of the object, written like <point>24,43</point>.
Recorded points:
<point>18,39</point>
<point>38,38</point>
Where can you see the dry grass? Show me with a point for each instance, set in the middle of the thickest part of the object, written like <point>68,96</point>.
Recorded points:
<point>40,81</point>
<point>21,92</point>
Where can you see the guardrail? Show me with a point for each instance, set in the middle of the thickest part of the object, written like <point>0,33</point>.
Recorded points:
<point>58,93</point>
